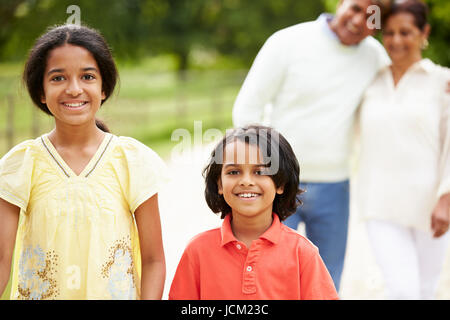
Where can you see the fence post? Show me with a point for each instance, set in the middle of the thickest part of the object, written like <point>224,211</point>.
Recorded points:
<point>10,122</point>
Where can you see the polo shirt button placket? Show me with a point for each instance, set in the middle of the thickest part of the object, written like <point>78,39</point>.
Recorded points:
<point>249,276</point>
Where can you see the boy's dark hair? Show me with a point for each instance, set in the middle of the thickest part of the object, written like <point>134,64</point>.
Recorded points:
<point>418,9</point>
<point>58,36</point>
<point>276,151</point>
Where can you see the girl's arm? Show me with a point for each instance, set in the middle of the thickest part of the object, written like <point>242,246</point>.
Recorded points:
<point>152,252</point>
<point>9,218</point>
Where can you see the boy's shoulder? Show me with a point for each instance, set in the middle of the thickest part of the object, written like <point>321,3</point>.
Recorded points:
<point>301,242</point>
<point>204,243</point>
<point>204,239</point>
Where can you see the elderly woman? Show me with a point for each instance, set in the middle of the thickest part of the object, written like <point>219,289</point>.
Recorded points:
<point>403,181</point>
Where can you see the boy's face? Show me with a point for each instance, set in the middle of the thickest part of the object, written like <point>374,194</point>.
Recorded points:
<point>243,182</point>
<point>350,21</point>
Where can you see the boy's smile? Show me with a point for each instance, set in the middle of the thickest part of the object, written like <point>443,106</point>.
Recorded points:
<point>244,183</point>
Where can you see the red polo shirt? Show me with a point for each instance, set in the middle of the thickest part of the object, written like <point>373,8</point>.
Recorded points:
<point>280,265</point>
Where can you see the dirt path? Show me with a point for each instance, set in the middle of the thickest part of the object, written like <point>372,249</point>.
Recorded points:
<point>184,213</point>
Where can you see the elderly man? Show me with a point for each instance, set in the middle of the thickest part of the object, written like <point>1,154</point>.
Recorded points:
<point>313,75</point>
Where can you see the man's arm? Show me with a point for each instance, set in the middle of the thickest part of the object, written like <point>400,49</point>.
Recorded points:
<point>262,82</point>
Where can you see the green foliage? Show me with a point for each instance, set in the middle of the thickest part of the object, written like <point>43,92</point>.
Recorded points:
<point>193,32</point>
<point>245,25</point>
<point>439,49</point>
<point>137,28</point>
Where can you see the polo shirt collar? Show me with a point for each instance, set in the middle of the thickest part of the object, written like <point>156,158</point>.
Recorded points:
<point>272,234</point>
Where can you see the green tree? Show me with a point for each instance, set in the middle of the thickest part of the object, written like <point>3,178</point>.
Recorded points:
<point>243,25</point>
<point>439,49</point>
<point>136,28</point>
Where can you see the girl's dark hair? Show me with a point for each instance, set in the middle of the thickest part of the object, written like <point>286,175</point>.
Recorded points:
<point>58,36</point>
<point>277,154</point>
<point>418,9</point>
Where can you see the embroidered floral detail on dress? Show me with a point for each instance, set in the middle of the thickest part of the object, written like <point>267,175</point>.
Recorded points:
<point>37,274</point>
<point>119,270</point>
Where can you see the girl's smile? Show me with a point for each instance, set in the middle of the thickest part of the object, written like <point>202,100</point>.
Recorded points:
<point>74,105</point>
<point>72,86</point>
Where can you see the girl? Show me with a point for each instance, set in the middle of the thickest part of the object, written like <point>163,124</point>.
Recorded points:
<point>90,226</point>
<point>252,180</point>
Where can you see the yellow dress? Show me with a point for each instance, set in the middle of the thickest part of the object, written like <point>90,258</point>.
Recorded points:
<point>77,237</point>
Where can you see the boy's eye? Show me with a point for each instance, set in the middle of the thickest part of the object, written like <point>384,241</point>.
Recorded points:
<point>262,171</point>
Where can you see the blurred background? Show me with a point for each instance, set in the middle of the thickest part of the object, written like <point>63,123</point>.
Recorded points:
<point>179,60</point>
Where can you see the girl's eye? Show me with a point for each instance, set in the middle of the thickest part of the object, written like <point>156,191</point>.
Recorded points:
<point>233,172</point>
<point>88,77</point>
<point>57,78</point>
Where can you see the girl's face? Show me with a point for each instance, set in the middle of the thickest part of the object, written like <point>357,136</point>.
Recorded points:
<point>243,181</point>
<point>72,85</point>
<point>403,39</point>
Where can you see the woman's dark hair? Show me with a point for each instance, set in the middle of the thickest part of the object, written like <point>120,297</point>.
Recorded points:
<point>58,36</point>
<point>277,155</point>
<point>417,8</point>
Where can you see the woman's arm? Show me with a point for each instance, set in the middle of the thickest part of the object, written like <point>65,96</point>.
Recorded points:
<point>9,218</point>
<point>440,218</point>
<point>152,252</point>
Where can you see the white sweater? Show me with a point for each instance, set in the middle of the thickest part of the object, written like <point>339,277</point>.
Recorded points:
<point>314,85</point>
